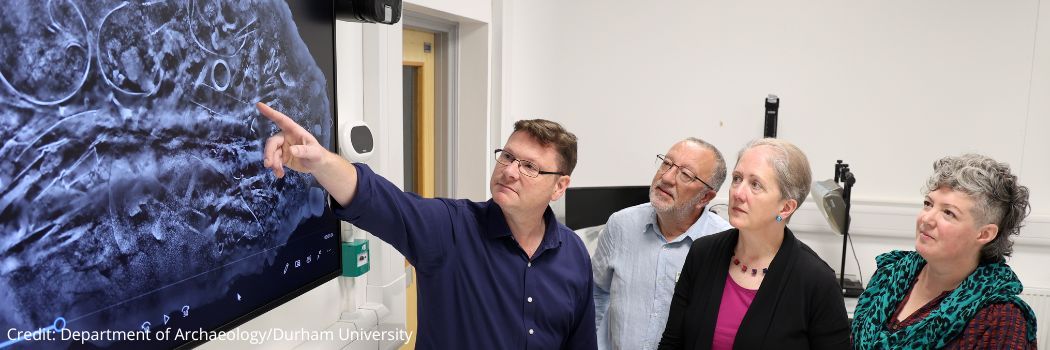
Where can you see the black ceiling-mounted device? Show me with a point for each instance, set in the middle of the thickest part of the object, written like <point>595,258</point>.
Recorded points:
<point>368,11</point>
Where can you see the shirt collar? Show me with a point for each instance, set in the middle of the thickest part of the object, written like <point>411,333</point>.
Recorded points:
<point>497,226</point>
<point>694,232</point>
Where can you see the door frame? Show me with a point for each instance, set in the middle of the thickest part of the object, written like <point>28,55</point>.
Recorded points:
<point>446,96</point>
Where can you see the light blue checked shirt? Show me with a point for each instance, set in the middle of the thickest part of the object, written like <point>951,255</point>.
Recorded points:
<point>635,270</point>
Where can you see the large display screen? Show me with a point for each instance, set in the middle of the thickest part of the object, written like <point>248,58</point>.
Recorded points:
<point>592,206</point>
<point>133,201</point>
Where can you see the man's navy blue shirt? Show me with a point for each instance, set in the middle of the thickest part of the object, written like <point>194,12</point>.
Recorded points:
<point>477,287</point>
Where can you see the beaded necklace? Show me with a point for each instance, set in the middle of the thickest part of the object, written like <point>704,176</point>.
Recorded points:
<point>744,268</point>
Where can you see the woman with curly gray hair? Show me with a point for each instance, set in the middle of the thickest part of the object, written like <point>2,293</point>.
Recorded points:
<point>955,290</point>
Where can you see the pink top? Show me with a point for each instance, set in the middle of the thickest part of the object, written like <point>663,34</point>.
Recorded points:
<point>735,301</point>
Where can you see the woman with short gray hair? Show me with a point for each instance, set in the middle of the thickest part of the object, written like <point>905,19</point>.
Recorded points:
<point>790,167</point>
<point>955,290</point>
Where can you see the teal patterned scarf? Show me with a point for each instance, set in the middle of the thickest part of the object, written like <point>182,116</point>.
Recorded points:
<point>990,283</point>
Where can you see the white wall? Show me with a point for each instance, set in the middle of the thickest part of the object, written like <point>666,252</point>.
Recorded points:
<point>888,86</point>
<point>458,10</point>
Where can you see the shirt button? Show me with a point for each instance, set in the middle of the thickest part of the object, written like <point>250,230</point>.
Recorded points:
<point>531,331</point>
<point>530,299</point>
<point>530,264</point>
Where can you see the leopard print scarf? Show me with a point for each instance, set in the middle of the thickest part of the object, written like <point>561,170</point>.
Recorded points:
<point>990,283</point>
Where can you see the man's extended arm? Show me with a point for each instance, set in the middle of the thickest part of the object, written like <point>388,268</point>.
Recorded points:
<point>297,149</point>
<point>421,229</point>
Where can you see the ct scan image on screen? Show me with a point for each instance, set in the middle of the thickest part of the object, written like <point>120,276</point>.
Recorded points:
<point>133,198</point>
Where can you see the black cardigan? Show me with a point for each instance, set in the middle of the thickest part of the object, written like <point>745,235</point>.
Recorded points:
<point>798,305</point>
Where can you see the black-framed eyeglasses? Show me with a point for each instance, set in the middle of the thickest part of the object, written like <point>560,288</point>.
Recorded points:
<point>525,167</point>
<point>684,175</point>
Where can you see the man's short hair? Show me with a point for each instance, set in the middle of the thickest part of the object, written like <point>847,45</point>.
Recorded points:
<point>718,174</point>
<point>550,133</point>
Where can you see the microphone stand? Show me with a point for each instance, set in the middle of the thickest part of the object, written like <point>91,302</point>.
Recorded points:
<point>842,173</point>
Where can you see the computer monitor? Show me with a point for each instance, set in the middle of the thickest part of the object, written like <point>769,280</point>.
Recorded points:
<point>591,206</point>
<point>133,196</point>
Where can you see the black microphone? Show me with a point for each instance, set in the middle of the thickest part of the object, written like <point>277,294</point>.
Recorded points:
<point>772,106</point>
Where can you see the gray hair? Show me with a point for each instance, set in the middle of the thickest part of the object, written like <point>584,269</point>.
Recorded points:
<point>998,198</point>
<point>718,174</point>
<point>790,166</point>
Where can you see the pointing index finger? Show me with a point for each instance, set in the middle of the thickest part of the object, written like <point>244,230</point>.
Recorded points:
<point>283,121</point>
